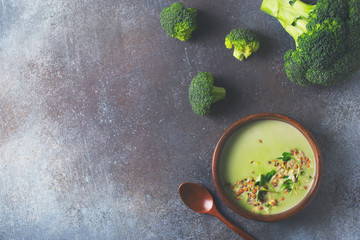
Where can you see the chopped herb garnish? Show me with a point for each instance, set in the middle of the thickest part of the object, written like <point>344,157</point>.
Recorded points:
<point>288,184</point>
<point>264,179</point>
<point>260,196</point>
<point>270,174</point>
<point>286,156</point>
<point>266,191</point>
<point>261,181</point>
<point>262,192</point>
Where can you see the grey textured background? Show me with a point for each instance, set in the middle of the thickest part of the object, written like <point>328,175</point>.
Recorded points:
<point>96,132</point>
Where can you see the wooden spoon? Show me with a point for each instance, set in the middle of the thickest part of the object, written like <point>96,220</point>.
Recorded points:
<point>200,200</point>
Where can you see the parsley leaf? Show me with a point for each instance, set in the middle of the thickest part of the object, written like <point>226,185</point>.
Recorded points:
<point>288,184</point>
<point>270,174</point>
<point>286,156</point>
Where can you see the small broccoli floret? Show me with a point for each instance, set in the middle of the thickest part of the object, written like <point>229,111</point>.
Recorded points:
<point>245,42</point>
<point>327,38</point>
<point>202,93</point>
<point>178,22</point>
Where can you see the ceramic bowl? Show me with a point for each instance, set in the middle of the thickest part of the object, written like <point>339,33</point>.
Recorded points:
<point>220,186</point>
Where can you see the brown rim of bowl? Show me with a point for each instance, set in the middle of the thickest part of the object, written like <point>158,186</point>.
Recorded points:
<point>216,168</point>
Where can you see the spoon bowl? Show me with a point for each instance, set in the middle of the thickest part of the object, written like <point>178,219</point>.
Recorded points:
<point>200,200</point>
<point>196,197</point>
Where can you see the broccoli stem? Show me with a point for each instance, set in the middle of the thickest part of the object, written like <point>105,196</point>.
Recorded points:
<point>218,93</point>
<point>293,17</point>
<point>240,53</point>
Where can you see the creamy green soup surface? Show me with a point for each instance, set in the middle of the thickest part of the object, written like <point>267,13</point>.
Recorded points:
<point>267,166</point>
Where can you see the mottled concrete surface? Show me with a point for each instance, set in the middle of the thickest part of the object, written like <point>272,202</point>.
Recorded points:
<point>96,132</point>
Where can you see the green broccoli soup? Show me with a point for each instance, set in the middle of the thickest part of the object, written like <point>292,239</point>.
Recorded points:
<point>267,166</point>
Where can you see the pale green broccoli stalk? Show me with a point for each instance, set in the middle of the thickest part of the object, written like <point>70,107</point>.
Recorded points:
<point>178,22</point>
<point>203,93</point>
<point>244,41</point>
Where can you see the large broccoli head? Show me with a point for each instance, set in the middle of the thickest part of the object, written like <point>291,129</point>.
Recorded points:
<point>178,22</point>
<point>202,93</point>
<point>244,41</point>
<point>327,37</point>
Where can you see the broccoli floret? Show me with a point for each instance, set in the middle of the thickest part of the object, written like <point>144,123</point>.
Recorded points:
<point>178,22</point>
<point>327,38</point>
<point>202,93</point>
<point>245,42</point>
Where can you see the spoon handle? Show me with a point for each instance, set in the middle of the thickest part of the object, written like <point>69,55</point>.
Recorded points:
<point>239,231</point>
